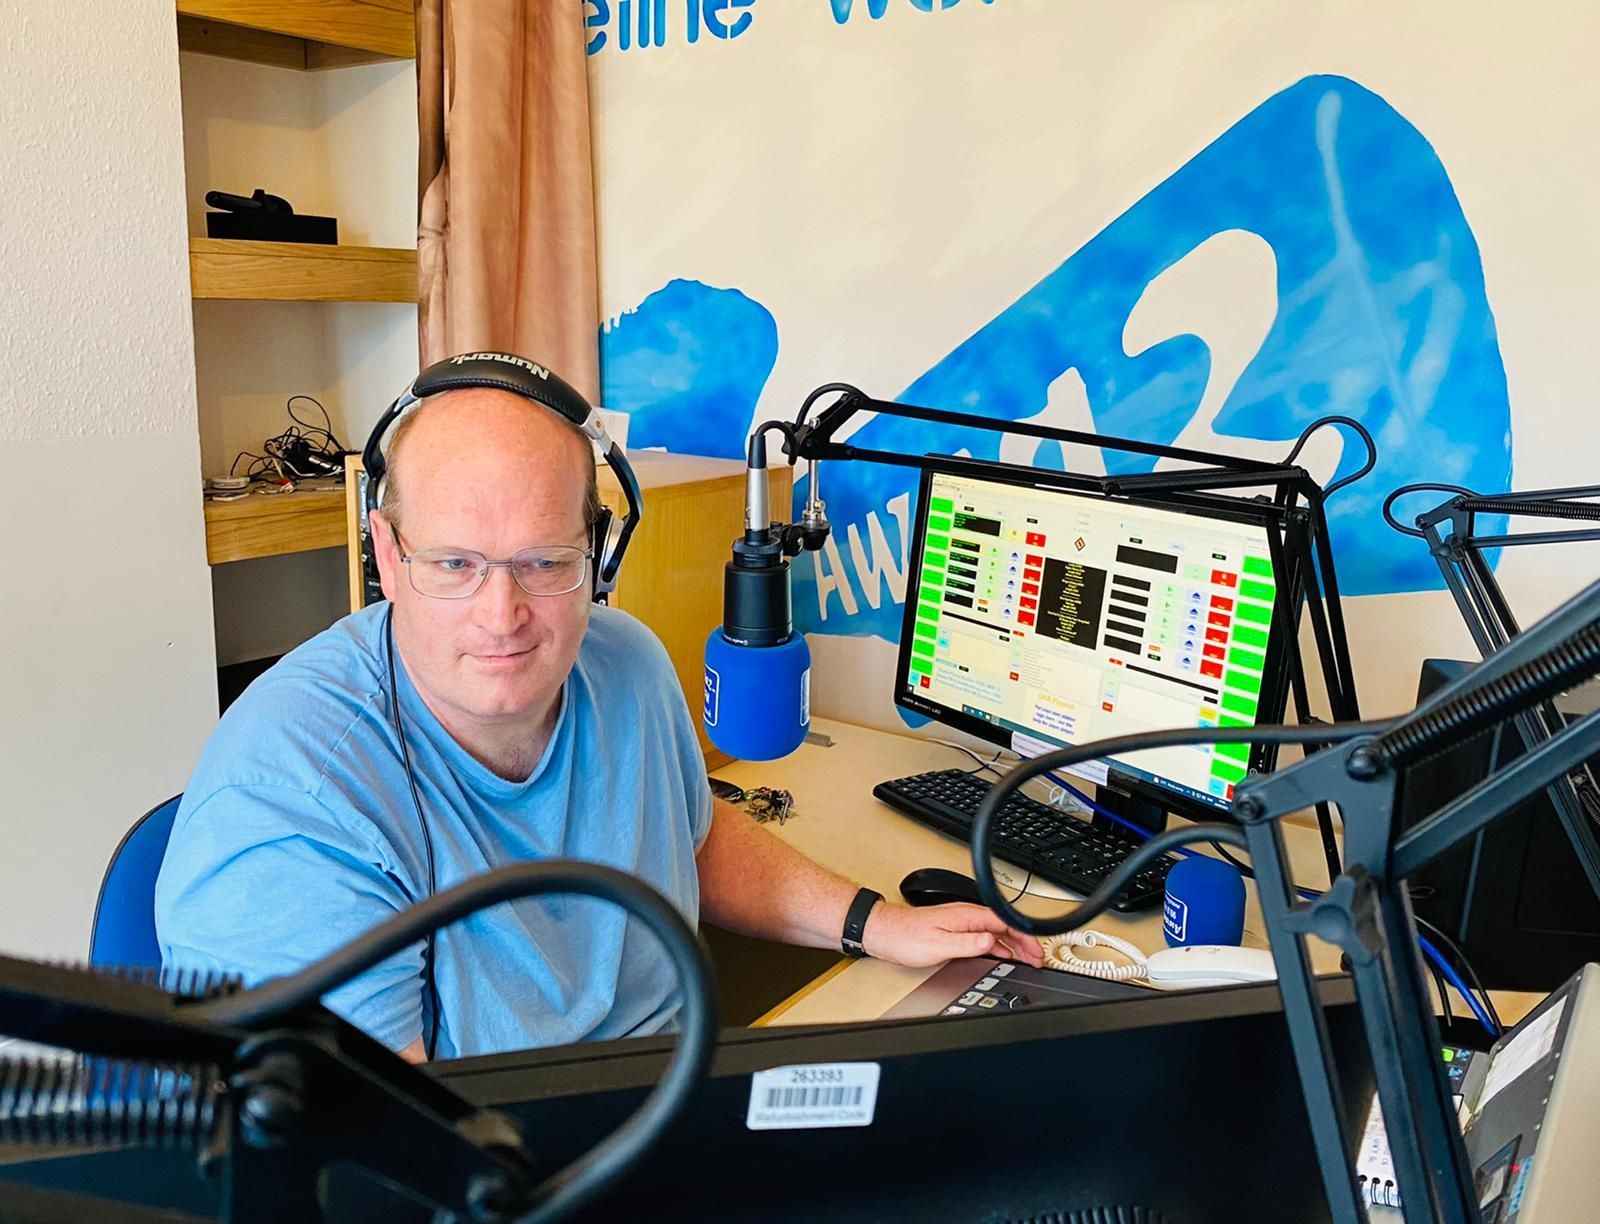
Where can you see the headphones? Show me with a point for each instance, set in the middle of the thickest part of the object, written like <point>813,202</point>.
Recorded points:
<point>507,372</point>
<point>608,539</point>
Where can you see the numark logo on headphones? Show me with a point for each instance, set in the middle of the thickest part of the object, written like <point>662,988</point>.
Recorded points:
<point>537,370</point>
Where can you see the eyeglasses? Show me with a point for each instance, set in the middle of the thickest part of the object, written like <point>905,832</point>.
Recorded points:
<point>459,573</point>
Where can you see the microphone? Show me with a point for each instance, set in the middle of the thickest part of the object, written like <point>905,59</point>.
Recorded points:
<point>758,669</point>
<point>1204,903</point>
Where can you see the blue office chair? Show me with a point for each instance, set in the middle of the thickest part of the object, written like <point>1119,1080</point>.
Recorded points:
<point>125,913</point>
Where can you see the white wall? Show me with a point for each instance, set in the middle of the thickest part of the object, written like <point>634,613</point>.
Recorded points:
<point>339,143</point>
<point>884,187</point>
<point>107,687</point>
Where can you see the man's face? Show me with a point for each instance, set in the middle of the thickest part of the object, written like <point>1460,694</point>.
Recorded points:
<point>489,472</point>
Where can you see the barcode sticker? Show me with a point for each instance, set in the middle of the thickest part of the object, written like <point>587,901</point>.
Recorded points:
<point>813,1096</point>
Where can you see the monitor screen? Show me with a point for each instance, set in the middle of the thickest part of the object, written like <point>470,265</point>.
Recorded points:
<point>1039,617</point>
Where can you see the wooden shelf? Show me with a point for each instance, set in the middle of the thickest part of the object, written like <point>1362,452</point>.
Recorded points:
<point>263,525</point>
<point>305,34</point>
<point>226,268</point>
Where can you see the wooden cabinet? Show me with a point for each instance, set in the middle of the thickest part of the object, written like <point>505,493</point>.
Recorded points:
<point>306,34</point>
<point>672,575</point>
<point>303,34</point>
<point>262,525</point>
<point>231,269</point>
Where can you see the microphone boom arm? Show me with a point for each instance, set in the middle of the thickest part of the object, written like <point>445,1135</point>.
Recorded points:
<point>759,563</point>
<point>274,1088</point>
<point>1367,911</point>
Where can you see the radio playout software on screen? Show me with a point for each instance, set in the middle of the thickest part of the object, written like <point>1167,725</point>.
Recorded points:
<point>1043,617</point>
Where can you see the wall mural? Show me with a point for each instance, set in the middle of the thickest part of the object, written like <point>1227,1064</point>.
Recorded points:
<point>1323,205</point>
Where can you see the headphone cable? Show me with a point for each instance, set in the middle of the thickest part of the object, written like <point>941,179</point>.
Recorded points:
<point>430,981</point>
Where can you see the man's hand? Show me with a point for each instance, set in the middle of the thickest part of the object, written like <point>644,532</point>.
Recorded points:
<point>932,935</point>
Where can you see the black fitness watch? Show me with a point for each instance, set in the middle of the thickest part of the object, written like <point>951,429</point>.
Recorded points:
<point>855,922</point>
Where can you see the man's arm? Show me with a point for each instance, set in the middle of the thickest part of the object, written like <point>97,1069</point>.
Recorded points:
<point>754,883</point>
<point>263,880</point>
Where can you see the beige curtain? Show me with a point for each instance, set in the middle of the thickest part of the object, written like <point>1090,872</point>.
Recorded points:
<point>506,234</point>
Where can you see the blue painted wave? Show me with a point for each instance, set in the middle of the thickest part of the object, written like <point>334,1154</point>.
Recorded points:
<point>1381,314</point>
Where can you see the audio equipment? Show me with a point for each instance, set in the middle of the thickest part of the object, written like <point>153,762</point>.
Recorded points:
<point>507,372</point>
<point>758,669</point>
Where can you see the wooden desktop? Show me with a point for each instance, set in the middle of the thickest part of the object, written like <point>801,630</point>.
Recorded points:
<point>838,823</point>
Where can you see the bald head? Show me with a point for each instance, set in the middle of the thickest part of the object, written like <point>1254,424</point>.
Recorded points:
<point>488,434</point>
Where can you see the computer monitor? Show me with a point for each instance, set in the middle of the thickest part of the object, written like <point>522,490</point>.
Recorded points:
<point>1514,896</point>
<point>1039,616</point>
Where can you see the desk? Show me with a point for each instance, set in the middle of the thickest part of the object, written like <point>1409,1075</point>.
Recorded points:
<point>838,824</point>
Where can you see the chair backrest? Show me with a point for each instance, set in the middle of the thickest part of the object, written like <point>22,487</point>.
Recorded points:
<point>125,914</point>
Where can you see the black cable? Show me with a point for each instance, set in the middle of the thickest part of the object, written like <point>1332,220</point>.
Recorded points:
<point>260,465</point>
<point>1465,965</point>
<point>325,429</point>
<point>1443,988</point>
<point>983,765</point>
<point>1102,898</point>
<point>1366,436</point>
<point>843,388</point>
<point>1244,868</point>
<point>429,977</point>
<point>568,1189</point>
<point>1420,486</point>
<point>970,753</point>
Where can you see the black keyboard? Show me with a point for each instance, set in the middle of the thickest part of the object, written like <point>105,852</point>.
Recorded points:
<point>1055,845</point>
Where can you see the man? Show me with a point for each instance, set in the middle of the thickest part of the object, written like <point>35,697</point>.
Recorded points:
<point>537,726</point>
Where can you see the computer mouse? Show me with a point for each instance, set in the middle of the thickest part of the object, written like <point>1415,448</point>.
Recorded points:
<point>937,886</point>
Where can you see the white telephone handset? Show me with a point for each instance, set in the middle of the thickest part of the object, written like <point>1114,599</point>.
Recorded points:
<point>1169,969</point>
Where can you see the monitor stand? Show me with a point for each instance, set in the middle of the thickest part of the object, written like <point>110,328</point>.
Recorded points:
<point>1142,812</point>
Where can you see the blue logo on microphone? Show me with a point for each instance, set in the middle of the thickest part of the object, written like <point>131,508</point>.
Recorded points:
<point>1175,919</point>
<point>713,688</point>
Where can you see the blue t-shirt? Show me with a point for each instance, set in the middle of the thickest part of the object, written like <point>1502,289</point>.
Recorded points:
<point>298,832</point>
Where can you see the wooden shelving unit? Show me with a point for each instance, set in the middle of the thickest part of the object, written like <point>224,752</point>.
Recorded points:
<point>304,34</point>
<point>269,525</point>
<point>233,270</point>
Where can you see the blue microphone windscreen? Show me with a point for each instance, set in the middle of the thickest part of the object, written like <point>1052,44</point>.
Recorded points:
<point>1204,903</point>
<point>758,698</point>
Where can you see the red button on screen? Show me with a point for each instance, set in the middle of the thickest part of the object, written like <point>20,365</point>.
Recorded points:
<point>1214,670</point>
<point>1219,618</point>
<point>1214,651</point>
<point>1024,618</point>
<point>926,682</point>
<point>1106,706</point>
<point>1029,603</point>
<point>1032,575</point>
<point>1035,559</point>
<point>1014,676</point>
<point>1216,635</point>
<point>1030,588</point>
<point>1035,540</point>
<point>1223,602</point>
<point>1223,578</point>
